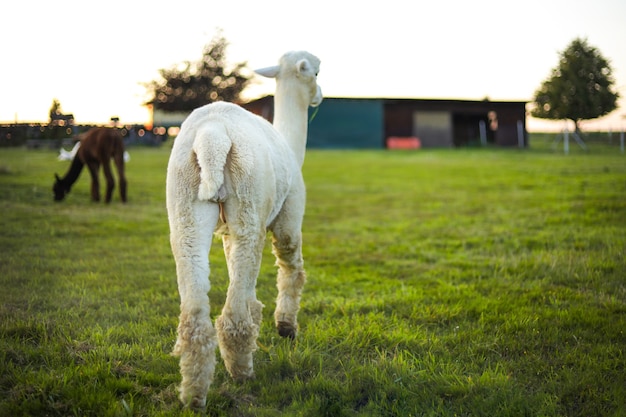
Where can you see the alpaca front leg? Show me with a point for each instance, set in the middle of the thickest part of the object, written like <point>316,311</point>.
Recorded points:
<point>94,167</point>
<point>290,282</point>
<point>238,325</point>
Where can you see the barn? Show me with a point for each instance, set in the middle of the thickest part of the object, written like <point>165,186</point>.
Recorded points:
<point>354,123</point>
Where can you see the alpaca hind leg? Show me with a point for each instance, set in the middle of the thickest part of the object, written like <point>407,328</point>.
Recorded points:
<point>119,163</point>
<point>108,176</point>
<point>195,346</point>
<point>290,281</point>
<point>238,325</point>
<point>196,339</point>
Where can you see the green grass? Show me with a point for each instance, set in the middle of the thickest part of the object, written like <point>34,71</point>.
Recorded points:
<point>472,282</point>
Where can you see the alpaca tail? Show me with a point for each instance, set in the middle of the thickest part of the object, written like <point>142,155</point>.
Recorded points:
<point>212,146</point>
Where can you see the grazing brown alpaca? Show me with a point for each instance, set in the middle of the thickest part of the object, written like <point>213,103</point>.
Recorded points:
<point>97,147</point>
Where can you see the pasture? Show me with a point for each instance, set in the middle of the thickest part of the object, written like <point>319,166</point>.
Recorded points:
<point>461,282</point>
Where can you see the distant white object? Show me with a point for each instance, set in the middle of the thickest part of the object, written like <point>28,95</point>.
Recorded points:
<point>69,155</point>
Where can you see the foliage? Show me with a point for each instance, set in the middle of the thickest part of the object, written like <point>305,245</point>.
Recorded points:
<point>55,110</point>
<point>579,88</point>
<point>473,282</point>
<point>59,122</point>
<point>199,83</point>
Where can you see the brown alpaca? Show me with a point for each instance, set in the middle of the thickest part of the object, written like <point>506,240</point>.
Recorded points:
<point>97,147</point>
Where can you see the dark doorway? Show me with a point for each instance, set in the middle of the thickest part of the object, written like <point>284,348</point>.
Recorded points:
<point>467,129</point>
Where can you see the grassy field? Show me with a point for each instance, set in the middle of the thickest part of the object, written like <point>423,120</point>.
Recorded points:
<point>461,282</point>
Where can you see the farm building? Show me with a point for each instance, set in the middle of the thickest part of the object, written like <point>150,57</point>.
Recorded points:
<point>409,123</point>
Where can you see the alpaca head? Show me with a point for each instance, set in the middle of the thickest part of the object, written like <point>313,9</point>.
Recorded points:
<point>59,188</point>
<point>300,69</point>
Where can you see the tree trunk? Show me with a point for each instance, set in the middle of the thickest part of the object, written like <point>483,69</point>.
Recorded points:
<point>577,128</point>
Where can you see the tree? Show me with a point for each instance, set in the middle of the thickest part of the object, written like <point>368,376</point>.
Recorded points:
<point>198,83</point>
<point>59,123</point>
<point>55,110</point>
<point>580,87</point>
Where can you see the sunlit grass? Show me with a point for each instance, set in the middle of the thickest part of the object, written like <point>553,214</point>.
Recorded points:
<point>481,282</point>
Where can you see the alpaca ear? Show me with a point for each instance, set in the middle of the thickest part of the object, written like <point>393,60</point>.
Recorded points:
<point>57,176</point>
<point>304,66</point>
<point>269,72</point>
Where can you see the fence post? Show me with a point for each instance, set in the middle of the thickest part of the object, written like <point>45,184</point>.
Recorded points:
<point>520,134</point>
<point>483,132</point>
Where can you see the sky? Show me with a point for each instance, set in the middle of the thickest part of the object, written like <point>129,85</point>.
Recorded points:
<point>94,56</point>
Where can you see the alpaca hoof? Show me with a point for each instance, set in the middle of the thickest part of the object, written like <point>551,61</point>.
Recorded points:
<point>244,376</point>
<point>197,404</point>
<point>194,403</point>
<point>239,372</point>
<point>286,329</point>
<point>239,366</point>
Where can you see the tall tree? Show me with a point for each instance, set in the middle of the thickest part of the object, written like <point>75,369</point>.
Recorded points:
<point>579,88</point>
<point>199,83</point>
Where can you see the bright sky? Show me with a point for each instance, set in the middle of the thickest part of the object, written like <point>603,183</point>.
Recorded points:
<point>94,56</point>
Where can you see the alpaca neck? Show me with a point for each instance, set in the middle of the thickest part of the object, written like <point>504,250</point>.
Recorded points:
<point>290,119</point>
<point>72,175</point>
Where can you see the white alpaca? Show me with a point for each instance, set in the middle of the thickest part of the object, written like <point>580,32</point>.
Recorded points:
<point>233,173</point>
